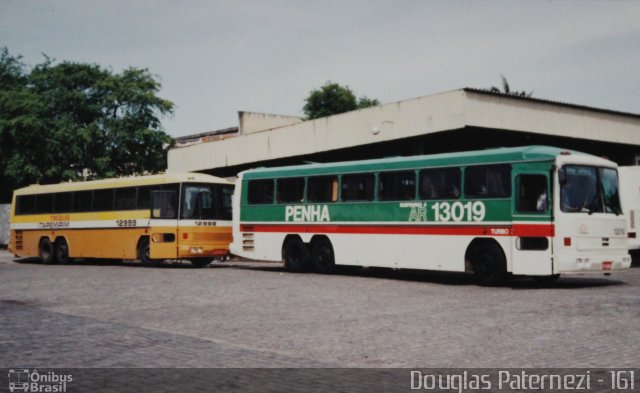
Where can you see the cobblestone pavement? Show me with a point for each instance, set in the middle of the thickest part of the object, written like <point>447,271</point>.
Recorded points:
<point>242,314</point>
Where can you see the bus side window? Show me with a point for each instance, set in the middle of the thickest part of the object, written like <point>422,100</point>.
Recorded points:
<point>26,204</point>
<point>260,191</point>
<point>487,181</point>
<point>44,203</point>
<point>82,201</point>
<point>103,200</point>
<point>144,197</point>
<point>126,198</point>
<point>290,190</point>
<point>532,194</point>
<point>358,187</point>
<point>62,202</point>
<point>322,189</point>
<point>163,204</point>
<point>396,186</point>
<point>440,183</point>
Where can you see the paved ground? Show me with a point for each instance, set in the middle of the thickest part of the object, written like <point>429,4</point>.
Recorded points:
<point>257,315</point>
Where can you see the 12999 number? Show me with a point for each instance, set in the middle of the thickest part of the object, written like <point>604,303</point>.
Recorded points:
<point>126,223</point>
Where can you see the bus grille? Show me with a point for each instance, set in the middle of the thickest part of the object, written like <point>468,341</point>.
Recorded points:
<point>211,237</point>
<point>247,241</point>
<point>17,240</point>
<point>632,219</point>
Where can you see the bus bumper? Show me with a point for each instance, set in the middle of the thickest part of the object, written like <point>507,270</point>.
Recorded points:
<point>593,264</point>
<point>187,252</point>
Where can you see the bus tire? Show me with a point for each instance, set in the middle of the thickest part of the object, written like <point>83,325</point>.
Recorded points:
<point>144,251</point>
<point>296,255</point>
<point>200,262</point>
<point>489,265</point>
<point>322,256</point>
<point>62,251</point>
<point>46,251</point>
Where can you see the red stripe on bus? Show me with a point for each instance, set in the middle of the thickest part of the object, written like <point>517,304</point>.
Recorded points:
<point>527,230</point>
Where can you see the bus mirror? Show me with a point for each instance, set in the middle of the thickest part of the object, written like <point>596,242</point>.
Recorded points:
<point>562,177</point>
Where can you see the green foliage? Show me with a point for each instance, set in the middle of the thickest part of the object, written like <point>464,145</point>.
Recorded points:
<point>332,99</point>
<point>506,89</point>
<point>72,121</point>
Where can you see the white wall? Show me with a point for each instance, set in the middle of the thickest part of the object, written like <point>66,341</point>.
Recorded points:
<point>5,215</point>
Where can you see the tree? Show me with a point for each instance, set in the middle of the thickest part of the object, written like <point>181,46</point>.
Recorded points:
<point>506,89</point>
<point>76,121</point>
<point>332,99</point>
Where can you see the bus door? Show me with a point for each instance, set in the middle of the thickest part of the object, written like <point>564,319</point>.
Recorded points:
<point>532,223</point>
<point>164,224</point>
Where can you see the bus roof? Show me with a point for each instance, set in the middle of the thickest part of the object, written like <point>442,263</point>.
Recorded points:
<point>476,157</point>
<point>166,178</point>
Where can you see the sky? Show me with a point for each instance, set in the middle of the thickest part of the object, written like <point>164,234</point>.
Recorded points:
<point>215,58</point>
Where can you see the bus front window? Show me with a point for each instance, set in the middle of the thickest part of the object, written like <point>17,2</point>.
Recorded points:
<point>610,193</point>
<point>197,203</point>
<point>589,189</point>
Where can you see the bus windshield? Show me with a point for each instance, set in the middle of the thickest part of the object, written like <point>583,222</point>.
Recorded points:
<point>206,202</point>
<point>590,189</point>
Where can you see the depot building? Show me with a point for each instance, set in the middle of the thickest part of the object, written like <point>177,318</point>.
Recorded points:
<point>459,120</point>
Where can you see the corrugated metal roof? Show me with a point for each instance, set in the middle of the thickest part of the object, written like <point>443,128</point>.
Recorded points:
<point>551,102</point>
<point>206,134</point>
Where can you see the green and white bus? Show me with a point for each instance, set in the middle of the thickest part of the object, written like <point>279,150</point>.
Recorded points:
<point>534,211</point>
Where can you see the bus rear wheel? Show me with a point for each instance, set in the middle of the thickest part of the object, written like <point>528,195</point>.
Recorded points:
<point>296,255</point>
<point>322,256</point>
<point>46,251</point>
<point>489,265</point>
<point>62,251</point>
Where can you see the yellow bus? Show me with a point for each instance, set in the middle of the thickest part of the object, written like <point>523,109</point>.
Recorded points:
<point>150,218</point>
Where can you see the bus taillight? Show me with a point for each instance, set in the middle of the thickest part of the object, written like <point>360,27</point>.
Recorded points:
<point>567,242</point>
<point>607,265</point>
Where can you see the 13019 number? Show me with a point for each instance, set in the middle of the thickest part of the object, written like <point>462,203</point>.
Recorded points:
<point>458,211</point>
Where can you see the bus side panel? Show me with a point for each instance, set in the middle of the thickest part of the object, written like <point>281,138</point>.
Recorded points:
<point>118,243</point>
<point>164,241</point>
<point>29,240</point>
<point>86,243</point>
<point>267,247</point>
<point>430,252</point>
<point>531,262</point>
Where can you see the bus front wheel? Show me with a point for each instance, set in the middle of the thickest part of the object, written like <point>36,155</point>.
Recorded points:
<point>144,252</point>
<point>62,251</point>
<point>296,255</point>
<point>45,251</point>
<point>489,265</point>
<point>322,256</point>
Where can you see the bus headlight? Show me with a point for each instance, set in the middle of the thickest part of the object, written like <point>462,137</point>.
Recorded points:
<point>195,250</point>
